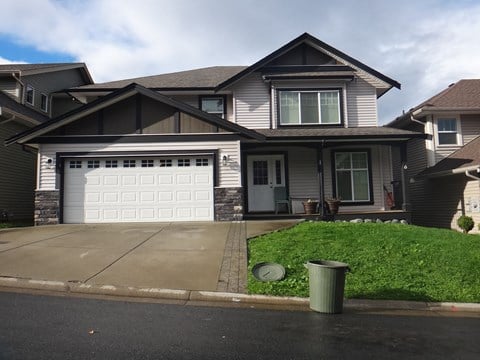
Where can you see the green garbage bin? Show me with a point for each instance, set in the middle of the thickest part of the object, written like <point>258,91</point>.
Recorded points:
<point>327,282</point>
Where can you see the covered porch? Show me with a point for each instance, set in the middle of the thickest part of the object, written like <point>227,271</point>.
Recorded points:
<point>284,176</point>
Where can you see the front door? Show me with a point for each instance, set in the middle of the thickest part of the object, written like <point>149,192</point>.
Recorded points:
<point>264,173</point>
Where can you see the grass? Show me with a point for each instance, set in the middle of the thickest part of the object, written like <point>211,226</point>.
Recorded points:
<point>10,224</point>
<point>387,261</point>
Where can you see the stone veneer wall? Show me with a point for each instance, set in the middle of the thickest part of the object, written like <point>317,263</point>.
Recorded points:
<point>47,207</point>
<point>228,204</point>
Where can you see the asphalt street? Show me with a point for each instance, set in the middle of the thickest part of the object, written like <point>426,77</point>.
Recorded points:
<point>54,327</point>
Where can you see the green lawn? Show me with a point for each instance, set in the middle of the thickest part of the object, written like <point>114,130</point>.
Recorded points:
<point>387,261</point>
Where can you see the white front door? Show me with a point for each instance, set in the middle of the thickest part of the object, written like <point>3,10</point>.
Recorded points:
<point>265,172</point>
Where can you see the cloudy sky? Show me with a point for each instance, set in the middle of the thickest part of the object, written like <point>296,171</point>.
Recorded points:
<point>425,45</point>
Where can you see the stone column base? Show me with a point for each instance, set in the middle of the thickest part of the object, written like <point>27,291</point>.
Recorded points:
<point>47,207</point>
<point>228,204</point>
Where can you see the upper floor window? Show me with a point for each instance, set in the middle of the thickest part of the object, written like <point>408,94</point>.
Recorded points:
<point>29,94</point>
<point>44,102</point>
<point>447,131</point>
<point>213,105</point>
<point>309,107</point>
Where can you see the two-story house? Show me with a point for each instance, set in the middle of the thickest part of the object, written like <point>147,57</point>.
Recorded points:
<point>444,168</point>
<point>219,143</point>
<point>28,93</point>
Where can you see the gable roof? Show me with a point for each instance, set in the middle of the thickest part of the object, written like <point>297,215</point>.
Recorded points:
<point>32,69</point>
<point>120,95</point>
<point>462,96</point>
<point>311,40</point>
<point>13,108</point>
<point>201,79</point>
<point>464,159</point>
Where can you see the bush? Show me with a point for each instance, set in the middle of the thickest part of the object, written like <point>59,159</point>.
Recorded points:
<point>465,223</point>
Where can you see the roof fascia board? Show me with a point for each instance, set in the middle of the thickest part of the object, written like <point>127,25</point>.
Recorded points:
<point>309,39</point>
<point>444,173</point>
<point>120,95</point>
<point>67,118</point>
<point>445,110</point>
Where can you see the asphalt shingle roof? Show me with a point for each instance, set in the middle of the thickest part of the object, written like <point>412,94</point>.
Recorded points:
<point>9,103</point>
<point>338,132</point>
<point>208,77</point>
<point>463,94</point>
<point>466,156</point>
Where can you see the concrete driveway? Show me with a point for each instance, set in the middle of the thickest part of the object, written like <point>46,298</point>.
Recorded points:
<point>162,255</point>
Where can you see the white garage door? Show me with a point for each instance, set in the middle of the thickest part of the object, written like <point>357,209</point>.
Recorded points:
<point>138,189</point>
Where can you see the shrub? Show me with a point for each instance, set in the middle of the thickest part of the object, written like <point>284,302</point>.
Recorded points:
<point>465,223</point>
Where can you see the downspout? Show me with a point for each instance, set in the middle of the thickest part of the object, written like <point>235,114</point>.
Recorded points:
<point>467,174</point>
<point>417,121</point>
<point>22,97</point>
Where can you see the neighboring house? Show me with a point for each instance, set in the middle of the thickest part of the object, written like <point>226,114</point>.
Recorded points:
<point>217,143</point>
<point>444,168</point>
<point>27,95</point>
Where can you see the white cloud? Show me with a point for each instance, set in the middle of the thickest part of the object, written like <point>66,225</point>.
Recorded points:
<point>424,45</point>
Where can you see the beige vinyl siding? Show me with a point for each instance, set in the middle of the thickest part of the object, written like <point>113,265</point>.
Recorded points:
<point>10,86</point>
<point>417,162</point>
<point>229,176</point>
<point>470,127</point>
<point>361,104</point>
<point>303,176</point>
<point>51,82</point>
<point>442,152</point>
<point>252,102</point>
<point>445,200</point>
<point>381,175</point>
<point>17,180</point>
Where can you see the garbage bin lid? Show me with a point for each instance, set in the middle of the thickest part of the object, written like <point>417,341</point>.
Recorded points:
<point>267,271</point>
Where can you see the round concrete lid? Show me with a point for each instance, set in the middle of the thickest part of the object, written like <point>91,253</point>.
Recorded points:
<point>267,271</point>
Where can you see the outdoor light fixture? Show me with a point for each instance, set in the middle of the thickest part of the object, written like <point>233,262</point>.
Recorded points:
<point>225,159</point>
<point>49,163</point>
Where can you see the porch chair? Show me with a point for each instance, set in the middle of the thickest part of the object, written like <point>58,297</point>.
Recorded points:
<point>280,197</point>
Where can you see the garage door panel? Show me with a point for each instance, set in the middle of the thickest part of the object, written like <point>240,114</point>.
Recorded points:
<point>153,190</point>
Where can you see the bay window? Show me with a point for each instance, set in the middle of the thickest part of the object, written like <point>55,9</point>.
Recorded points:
<point>317,107</point>
<point>352,176</point>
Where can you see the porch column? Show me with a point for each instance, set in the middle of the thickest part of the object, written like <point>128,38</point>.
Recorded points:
<point>403,173</point>
<point>321,187</point>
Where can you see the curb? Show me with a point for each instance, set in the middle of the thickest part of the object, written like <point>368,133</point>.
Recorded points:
<point>225,297</point>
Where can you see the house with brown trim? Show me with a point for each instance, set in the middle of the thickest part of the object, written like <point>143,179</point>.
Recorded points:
<point>28,95</point>
<point>444,168</point>
<point>224,143</point>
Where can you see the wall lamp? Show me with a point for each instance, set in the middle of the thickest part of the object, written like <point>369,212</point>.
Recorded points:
<point>225,159</point>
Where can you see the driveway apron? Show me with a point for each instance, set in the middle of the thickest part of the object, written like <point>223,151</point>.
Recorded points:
<point>161,255</point>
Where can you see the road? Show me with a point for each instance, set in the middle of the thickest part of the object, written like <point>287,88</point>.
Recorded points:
<point>51,327</point>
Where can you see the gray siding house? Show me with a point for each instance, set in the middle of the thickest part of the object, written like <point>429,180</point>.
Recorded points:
<point>224,143</point>
<point>28,92</point>
<point>444,168</point>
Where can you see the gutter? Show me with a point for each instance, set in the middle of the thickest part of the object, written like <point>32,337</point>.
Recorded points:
<point>464,170</point>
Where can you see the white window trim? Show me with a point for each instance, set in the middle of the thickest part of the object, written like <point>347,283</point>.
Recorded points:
<point>459,131</point>
<point>317,91</point>
<point>27,87</point>
<point>46,102</point>
<point>351,169</point>
<point>221,114</point>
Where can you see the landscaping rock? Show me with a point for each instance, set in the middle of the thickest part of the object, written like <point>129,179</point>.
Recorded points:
<point>367,220</point>
<point>387,221</point>
<point>338,221</point>
<point>404,222</point>
<point>356,221</point>
<point>395,221</point>
<point>378,221</point>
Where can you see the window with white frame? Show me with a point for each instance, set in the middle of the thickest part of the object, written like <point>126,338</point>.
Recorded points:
<point>213,105</point>
<point>318,107</point>
<point>44,102</point>
<point>447,131</point>
<point>29,94</point>
<point>352,176</point>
